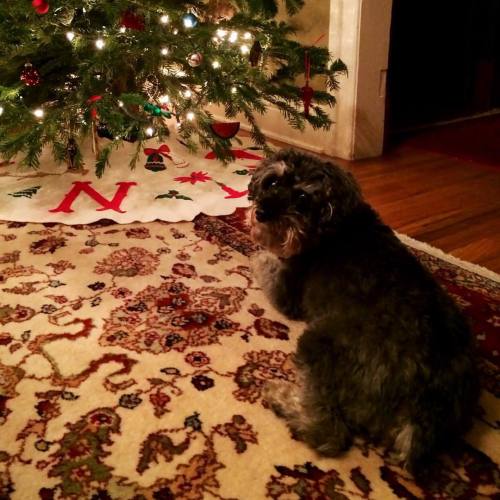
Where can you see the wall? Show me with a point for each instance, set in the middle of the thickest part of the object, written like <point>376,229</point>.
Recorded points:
<point>357,32</point>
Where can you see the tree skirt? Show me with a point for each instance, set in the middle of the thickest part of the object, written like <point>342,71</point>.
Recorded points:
<point>169,183</point>
<point>132,364</point>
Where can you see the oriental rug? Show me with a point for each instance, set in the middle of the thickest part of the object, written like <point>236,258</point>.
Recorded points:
<point>132,361</point>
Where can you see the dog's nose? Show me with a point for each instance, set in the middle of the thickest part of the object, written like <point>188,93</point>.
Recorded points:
<point>261,215</point>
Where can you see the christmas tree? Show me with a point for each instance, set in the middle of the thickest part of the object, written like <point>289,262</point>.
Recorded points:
<point>128,70</point>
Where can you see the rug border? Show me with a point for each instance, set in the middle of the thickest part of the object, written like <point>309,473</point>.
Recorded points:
<point>440,254</point>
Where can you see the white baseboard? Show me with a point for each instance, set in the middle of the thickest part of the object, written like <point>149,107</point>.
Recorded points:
<point>274,126</point>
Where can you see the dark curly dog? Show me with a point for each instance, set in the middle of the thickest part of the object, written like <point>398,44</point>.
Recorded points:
<point>386,353</point>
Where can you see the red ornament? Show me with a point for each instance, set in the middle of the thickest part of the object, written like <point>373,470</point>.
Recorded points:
<point>225,130</point>
<point>130,19</point>
<point>255,53</point>
<point>30,76</point>
<point>195,59</point>
<point>307,92</point>
<point>91,101</point>
<point>40,6</point>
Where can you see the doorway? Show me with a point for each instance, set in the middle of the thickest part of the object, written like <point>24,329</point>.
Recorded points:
<point>444,62</point>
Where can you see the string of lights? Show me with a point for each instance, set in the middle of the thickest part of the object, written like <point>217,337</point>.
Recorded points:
<point>136,70</point>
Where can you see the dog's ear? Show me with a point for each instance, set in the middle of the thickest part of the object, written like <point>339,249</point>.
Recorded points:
<point>251,188</point>
<point>255,182</point>
<point>275,163</point>
<point>342,193</point>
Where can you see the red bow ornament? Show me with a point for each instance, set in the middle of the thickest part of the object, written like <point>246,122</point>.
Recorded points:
<point>307,92</point>
<point>90,101</point>
<point>163,150</point>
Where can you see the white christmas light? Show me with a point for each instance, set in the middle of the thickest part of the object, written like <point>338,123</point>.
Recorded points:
<point>175,31</point>
<point>233,90</point>
<point>123,29</point>
<point>150,131</point>
<point>221,33</point>
<point>120,103</point>
<point>164,51</point>
<point>233,36</point>
<point>100,43</point>
<point>247,35</point>
<point>188,22</point>
<point>39,112</point>
<point>245,49</point>
<point>70,36</point>
<point>216,64</point>
<point>164,19</point>
<point>164,99</point>
<point>188,94</point>
<point>1,110</point>
<point>190,116</point>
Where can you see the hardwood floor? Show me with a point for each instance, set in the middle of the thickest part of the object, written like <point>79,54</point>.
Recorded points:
<point>449,203</point>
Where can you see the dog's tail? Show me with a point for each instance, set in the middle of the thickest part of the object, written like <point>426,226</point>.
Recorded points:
<point>418,444</point>
<point>439,415</point>
<point>415,445</point>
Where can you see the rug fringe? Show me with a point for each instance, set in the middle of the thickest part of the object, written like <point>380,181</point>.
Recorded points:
<point>436,252</point>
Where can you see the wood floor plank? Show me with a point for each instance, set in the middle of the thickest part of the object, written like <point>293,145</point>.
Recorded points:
<point>448,203</point>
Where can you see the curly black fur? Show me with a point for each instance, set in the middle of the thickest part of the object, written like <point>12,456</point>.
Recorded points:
<point>386,353</point>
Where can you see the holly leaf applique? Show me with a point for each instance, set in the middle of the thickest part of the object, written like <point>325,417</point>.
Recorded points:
<point>25,193</point>
<point>173,194</point>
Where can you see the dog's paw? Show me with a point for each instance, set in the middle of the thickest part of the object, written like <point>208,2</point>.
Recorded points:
<point>264,263</point>
<point>282,397</point>
<point>264,267</point>
<point>319,440</point>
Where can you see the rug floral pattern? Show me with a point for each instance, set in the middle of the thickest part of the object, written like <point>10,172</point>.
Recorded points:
<point>132,360</point>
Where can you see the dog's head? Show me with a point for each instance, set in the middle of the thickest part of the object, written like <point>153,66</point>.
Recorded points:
<point>296,198</point>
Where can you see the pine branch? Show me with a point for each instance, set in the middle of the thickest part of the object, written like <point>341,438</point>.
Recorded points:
<point>117,85</point>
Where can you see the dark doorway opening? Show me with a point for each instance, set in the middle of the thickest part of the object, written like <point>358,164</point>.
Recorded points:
<point>444,62</point>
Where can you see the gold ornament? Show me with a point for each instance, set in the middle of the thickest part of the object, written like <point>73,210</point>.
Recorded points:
<point>219,10</point>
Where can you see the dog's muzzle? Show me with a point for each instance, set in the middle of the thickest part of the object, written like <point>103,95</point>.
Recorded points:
<point>262,215</point>
<point>267,209</point>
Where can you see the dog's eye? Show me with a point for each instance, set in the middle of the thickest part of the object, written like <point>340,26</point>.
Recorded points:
<point>301,200</point>
<point>270,182</point>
